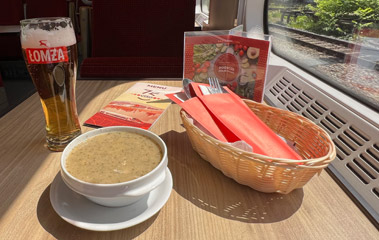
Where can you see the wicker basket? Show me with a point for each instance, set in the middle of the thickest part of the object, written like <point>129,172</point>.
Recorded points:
<point>264,173</point>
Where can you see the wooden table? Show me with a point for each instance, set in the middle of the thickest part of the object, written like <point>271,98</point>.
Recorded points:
<point>204,204</point>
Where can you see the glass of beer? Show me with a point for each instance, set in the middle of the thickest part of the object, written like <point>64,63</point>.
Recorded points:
<point>50,53</point>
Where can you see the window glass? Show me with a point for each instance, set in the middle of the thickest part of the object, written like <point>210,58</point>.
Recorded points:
<point>201,12</point>
<point>205,6</point>
<point>337,40</point>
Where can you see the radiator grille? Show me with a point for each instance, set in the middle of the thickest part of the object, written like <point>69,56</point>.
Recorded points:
<point>356,140</point>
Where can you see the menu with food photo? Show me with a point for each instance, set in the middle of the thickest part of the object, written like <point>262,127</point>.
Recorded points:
<point>238,61</point>
<point>140,106</point>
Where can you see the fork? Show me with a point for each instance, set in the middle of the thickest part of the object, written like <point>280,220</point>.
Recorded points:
<point>214,85</point>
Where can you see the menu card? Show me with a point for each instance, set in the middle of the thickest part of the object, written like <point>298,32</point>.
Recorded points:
<point>237,60</point>
<point>140,106</point>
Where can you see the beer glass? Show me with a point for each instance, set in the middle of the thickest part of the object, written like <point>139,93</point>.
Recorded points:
<point>50,53</point>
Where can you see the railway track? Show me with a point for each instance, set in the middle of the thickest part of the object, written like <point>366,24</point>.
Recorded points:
<point>344,50</point>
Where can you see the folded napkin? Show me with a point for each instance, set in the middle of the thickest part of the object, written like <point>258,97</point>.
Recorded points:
<point>195,108</point>
<point>229,119</point>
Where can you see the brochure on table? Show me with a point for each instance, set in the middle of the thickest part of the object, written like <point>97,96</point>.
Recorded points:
<point>140,106</point>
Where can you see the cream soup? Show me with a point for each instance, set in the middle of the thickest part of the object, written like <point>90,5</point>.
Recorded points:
<point>113,157</point>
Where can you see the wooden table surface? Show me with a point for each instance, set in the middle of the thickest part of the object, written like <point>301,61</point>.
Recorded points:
<point>204,204</point>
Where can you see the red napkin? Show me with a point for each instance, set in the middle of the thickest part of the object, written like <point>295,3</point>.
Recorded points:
<point>197,110</point>
<point>235,121</point>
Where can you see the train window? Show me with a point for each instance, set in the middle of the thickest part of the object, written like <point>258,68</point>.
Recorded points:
<point>205,6</point>
<point>336,40</point>
<point>202,12</point>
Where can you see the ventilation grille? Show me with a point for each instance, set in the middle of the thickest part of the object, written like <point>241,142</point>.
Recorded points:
<point>356,140</point>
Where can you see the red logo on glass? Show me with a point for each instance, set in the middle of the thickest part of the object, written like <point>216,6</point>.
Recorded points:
<point>46,55</point>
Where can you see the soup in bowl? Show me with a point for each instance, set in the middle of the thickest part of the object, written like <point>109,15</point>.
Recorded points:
<point>114,166</point>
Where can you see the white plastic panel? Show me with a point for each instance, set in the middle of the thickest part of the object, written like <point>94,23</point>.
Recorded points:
<point>356,139</point>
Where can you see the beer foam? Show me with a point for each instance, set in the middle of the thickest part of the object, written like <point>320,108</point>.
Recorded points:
<point>40,38</point>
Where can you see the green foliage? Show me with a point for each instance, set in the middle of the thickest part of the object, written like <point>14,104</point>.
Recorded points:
<point>339,18</point>
<point>274,16</point>
<point>302,22</point>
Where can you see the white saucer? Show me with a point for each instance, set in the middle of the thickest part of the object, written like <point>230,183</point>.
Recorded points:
<point>81,212</point>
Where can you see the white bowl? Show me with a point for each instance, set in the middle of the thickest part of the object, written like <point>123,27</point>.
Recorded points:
<point>116,194</point>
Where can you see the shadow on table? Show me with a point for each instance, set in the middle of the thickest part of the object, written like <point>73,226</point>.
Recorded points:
<point>209,189</point>
<point>30,125</point>
<point>61,229</point>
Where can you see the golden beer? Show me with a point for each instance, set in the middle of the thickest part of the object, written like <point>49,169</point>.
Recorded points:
<point>50,53</point>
